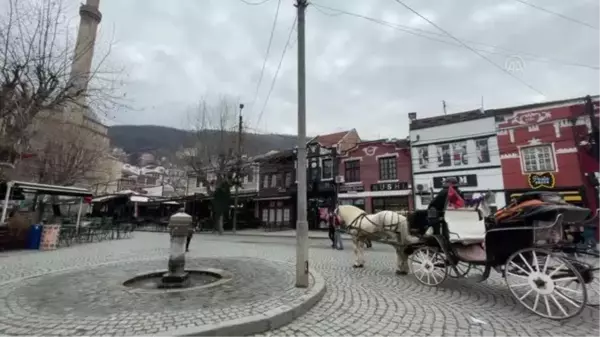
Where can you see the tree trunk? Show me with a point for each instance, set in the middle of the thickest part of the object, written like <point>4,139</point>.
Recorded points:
<point>220,224</point>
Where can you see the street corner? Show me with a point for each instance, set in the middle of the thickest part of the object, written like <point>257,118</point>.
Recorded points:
<point>93,300</point>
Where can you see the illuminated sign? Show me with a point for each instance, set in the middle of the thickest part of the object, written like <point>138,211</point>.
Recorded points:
<point>541,180</point>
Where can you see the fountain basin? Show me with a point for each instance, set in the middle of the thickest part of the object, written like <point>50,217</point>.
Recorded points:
<point>198,278</point>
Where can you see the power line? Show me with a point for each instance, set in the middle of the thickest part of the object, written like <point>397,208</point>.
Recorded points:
<point>262,71</point>
<point>435,36</point>
<point>470,48</point>
<point>285,49</point>
<point>562,16</point>
<point>254,3</point>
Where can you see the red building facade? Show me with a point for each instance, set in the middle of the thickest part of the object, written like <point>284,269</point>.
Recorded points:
<point>377,176</point>
<point>542,147</point>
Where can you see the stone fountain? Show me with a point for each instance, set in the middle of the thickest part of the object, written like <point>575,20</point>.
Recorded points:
<point>176,276</point>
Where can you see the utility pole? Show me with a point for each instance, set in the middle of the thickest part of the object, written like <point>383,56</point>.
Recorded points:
<point>238,170</point>
<point>301,222</point>
<point>444,107</point>
<point>595,137</point>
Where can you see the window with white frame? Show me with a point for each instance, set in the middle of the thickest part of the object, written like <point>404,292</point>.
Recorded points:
<point>537,158</point>
<point>266,181</point>
<point>387,168</point>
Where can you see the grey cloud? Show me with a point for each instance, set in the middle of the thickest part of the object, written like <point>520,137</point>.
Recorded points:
<point>359,74</point>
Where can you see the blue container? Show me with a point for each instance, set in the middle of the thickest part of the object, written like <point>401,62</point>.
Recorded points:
<point>35,237</point>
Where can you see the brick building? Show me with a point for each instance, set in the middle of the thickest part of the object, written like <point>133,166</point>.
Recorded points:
<point>377,176</point>
<point>543,147</point>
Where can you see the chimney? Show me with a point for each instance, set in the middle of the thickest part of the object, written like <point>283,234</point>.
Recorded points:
<point>412,116</point>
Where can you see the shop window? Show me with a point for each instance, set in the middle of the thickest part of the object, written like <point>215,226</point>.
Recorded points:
<point>452,154</point>
<point>272,215</point>
<point>423,157</point>
<point>327,172</point>
<point>286,215</point>
<point>387,168</point>
<point>482,150</point>
<point>352,171</point>
<point>537,158</point>
<point>279,215</point>
<point>265,215</point>
<point>274,180</point>
<point>390,204</point>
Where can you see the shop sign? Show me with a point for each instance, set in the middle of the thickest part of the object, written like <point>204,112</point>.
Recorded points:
<point>389,186</point>
<point>464,180</point>
<point>351,188</point>
<point>541,180</point>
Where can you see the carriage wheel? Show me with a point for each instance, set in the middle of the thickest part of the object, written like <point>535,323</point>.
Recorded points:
<point>540,281</point>
<point>591,261</point>
<point>463,269</point>
<point>428,265</point>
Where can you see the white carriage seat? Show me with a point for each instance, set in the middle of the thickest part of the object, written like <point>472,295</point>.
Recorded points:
<point>466,225</point>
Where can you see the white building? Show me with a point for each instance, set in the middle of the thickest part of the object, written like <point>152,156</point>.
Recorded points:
<point>461,145</point>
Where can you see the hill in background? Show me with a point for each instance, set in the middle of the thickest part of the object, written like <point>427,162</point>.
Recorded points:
<point>165,141</point>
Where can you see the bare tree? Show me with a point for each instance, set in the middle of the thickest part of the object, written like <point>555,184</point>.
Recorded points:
<point>213,157</point>
<point>36,81</point>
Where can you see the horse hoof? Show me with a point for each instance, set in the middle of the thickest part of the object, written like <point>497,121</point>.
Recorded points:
<point>400,272</point>
<point>358,266</point>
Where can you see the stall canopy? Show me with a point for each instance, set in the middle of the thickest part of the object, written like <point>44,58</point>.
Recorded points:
<point>20,187</point>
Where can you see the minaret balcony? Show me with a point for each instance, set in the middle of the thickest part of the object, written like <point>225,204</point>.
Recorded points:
<point>91,12</point>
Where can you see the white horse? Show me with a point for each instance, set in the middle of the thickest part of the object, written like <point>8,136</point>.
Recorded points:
<point>386,226</point>
<point>392,228</point>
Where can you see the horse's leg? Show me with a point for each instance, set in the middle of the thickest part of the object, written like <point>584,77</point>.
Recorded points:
<point>358,252</point>
<point>401,260</point>
<point>361,252</point>
<point>355,242</point>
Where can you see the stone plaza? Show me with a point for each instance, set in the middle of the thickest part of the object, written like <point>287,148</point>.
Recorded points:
<point>78,291</point>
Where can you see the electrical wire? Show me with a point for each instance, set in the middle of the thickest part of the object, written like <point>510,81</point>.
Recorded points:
<point>255,3</point>
<point>285,49</point>
<point>470,48</point>
<point>562,16</point>
<point>262,70</point>
<point>436,37</point>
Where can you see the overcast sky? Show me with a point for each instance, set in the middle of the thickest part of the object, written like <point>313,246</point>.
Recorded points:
<point>360,74</point>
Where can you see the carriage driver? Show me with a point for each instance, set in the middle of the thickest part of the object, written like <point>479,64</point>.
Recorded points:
<point>438,204</point>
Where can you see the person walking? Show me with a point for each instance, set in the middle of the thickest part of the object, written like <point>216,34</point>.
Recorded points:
<point>331,228</point>
<point>191,230</point>
<point>339,245</point>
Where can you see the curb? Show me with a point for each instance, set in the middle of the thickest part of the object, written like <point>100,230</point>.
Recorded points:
<point>270,320</point>
<point>344,237</point>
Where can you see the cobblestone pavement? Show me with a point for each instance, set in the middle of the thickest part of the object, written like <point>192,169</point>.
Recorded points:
<point>369,301</point>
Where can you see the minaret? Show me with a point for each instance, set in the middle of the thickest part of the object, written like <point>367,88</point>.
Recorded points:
<point>86,39</point>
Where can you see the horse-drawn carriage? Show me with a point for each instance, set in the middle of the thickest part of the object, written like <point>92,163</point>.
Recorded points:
<point>524,241</point>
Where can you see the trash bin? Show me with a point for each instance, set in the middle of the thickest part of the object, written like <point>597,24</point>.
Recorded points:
<point>35,237</point>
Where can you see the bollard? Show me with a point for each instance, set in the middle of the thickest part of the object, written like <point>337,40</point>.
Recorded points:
<point>176,276</point>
